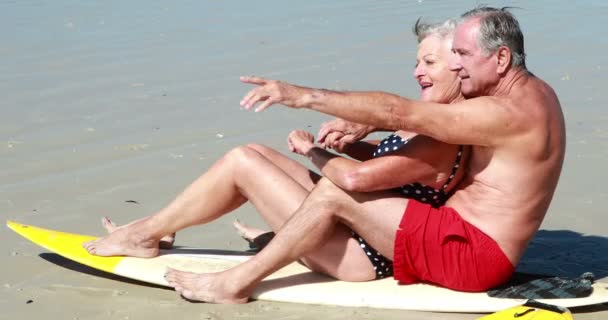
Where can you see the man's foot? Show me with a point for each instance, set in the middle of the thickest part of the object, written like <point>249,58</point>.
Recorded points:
<point>257,238</point>
<point>206,287</point>
<point>165,242</point>
<point>123,241</point>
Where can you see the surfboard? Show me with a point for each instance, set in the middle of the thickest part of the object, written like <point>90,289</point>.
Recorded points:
<point>293,283</point>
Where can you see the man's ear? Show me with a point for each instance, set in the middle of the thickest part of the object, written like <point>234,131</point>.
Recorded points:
<point>503,59</point>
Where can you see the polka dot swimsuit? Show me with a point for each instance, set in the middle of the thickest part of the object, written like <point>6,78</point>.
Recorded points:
<point>417,191</point>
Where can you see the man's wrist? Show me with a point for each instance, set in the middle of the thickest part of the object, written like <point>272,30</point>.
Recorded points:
<point>304,97</point>
<point>312,97</point>
<point>369,129</point>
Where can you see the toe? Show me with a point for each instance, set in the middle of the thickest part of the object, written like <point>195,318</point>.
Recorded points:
<point>108,224</point>
<point>188,294</point>
<point>172,275</point>
<point>87,245</point>
<point>240,228</point>
<point>91,249</point>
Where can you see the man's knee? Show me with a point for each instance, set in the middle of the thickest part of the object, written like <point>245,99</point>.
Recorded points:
<point>322,206</point>
<point>326,187</point>
<point>328,199</point>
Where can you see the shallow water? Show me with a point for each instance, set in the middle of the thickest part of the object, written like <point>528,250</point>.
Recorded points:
<point>104,102</point>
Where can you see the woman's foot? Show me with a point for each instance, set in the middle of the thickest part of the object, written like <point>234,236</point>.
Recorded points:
<point>128,240</point>
<point>207,287</point>
<point>257,238</point>
<point>165,242</point>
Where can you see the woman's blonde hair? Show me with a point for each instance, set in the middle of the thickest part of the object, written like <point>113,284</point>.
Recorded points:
<point>443,29</point>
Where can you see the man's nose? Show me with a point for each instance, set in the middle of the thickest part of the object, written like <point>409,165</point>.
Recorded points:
<point>454,62</point>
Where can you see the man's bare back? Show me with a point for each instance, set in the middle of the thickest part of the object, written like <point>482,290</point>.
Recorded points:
<point>507,188</point>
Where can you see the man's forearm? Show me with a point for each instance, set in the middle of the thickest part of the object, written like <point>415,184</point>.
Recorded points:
<point>378,109</point>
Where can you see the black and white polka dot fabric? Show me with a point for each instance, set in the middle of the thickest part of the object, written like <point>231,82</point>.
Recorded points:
<point>416,191</point>
<point>389,144</point>
<point>429,195</point>
<point>382,266</point>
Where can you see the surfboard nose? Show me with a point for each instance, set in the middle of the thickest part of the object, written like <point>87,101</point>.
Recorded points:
<point>14,225</point>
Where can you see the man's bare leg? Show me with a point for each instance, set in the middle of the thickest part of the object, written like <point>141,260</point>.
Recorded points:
<point>375,216</point>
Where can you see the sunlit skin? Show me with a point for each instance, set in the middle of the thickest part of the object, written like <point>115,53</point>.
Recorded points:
<point>255,173</point>
<point>477,70</point>
<point>517,136</point>
<point>437,82</point>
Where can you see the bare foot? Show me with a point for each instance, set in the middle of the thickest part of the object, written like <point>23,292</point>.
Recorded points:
<point>206,287</point>
<point>123,241</point>
<point>246,232</point>
<point>257,238</point>
<point>165,242</point>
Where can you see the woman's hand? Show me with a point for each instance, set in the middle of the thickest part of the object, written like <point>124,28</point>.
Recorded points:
<point>300,142</point>
<point>339,134</point>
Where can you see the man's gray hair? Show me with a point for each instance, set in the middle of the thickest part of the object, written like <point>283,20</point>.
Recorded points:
<point>498,27</point>
<point>443,29</point>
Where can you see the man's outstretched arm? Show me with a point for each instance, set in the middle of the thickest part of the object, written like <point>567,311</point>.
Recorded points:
<point>481,121</point>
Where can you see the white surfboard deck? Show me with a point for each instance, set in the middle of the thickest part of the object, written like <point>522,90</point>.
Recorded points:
<point>293,283</point>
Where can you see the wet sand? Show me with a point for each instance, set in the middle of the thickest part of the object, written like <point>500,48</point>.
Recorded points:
<point>104,103</point>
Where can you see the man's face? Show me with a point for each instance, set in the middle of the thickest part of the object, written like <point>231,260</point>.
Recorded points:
<point>477,71</point>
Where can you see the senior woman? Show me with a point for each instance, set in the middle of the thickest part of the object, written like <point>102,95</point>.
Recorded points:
<point>411,166</point>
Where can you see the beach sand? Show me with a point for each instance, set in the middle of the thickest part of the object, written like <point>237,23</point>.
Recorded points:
<point>109,103</point>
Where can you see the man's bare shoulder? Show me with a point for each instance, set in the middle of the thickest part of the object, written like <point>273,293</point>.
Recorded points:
<point>493,104</point>
<point>534,88</point>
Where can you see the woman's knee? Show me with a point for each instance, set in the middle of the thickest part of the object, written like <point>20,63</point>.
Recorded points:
<point>244,156</point>
<point>259,147</point>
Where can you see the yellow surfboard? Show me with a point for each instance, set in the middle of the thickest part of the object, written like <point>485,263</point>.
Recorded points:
<point>294,283</point>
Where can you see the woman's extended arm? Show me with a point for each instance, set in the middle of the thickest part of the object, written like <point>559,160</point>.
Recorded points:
<point>420,161</point>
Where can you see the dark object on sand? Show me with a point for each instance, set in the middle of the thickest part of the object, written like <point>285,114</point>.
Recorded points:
<point>527,286</point>
<point>258,243</point>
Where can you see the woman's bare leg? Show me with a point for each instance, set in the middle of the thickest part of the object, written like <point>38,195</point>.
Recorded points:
<point>165,242</point>
<point>305,177</point>
<point>243,174</point>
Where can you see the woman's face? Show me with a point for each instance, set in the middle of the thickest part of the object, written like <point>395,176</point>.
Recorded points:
<point>437,82</point>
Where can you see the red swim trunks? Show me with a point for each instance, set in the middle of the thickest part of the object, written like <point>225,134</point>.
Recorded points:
<point>436,245</point>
